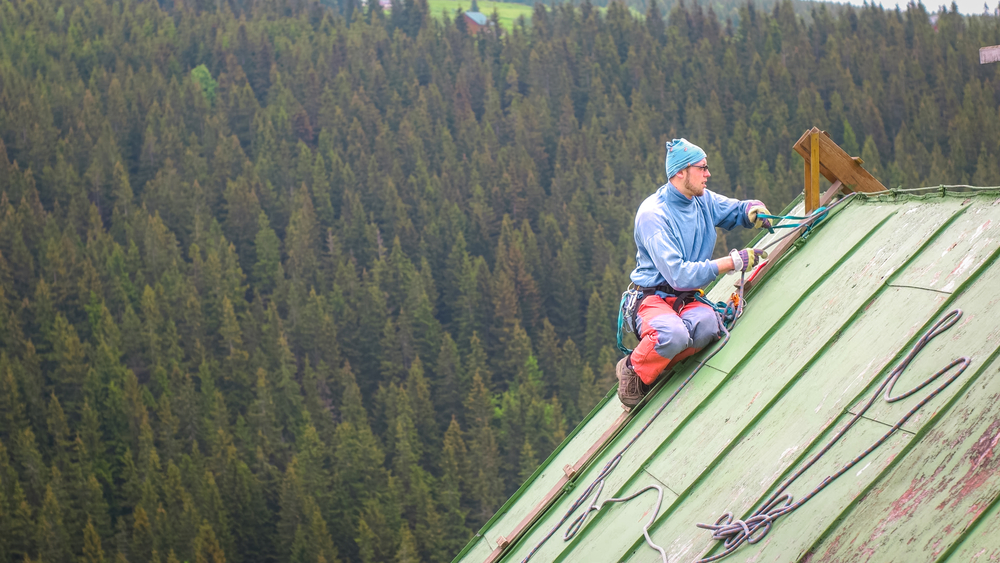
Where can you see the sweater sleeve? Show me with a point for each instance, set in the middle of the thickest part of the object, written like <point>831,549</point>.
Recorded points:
<point>728,212</point>
<point>679,273</point>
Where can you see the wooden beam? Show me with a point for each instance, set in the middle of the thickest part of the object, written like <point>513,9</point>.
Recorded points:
<point>835,164</point>
<point>807,181</point>
<point>557,490</point>
<point>812,191</point>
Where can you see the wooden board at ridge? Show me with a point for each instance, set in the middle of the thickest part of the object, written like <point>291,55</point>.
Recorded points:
<point>835,164</point>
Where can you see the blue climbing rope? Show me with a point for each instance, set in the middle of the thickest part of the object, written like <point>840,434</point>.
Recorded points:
<point>807,221</point>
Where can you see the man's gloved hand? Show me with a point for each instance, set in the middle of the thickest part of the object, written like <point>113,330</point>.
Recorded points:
<point>757,206</point>
<point>747,258</point>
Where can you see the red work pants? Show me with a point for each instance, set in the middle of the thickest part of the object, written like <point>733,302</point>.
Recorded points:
<point>666,337</point>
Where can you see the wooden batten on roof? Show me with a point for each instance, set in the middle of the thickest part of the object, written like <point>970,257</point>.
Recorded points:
<point>569,473</point>
<point>834,164</point>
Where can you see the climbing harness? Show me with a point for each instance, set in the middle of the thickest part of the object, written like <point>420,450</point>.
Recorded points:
<point>628,310</point>
<point>734,533</point>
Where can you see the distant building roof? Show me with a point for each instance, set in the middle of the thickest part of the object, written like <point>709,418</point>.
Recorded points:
<point>478,17</point>
<point>821,332</point>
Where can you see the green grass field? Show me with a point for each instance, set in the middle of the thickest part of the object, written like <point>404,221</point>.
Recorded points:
<point>508,11</point>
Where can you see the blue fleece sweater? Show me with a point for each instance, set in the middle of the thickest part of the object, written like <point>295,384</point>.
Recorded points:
<point>676,235</point>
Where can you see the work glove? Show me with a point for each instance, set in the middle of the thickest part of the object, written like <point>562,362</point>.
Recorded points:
<point>756,206</point>
<point>747,258</point>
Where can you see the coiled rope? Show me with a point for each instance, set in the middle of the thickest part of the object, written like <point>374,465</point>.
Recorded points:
<point>733,533</point>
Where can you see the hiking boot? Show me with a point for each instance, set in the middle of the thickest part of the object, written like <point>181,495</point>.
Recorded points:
<point>631,389</point>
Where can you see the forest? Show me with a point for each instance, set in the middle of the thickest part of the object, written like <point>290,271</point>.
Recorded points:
<point>291,281</point>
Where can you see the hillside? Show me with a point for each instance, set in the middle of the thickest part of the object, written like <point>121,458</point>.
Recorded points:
<point>280,286</point>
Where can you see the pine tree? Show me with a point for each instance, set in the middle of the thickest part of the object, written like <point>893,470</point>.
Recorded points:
<point>870,154</point>
<point>453,482</point>
<point>358,466</point>
<point>142,544</point>
<point>419,395</point>
<point>302,240</point>
<point>450,385</point>
<point>20,537</point>
<point>528,463</point>
<point>51,535</point>
<point>267,270</point>
<point>92,551</point>
<point>69,355</point>
<point>987,169</point>
<point>206,546</point>
<point>407,547</point>
<point>568,379</point>
<point>12,416</point>
<point>484,454</point>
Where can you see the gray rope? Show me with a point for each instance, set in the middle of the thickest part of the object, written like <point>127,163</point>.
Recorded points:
<point>733,533</point>
<point>594,506</point>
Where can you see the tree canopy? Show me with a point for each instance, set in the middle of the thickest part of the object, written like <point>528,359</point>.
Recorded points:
<point>295,281</point>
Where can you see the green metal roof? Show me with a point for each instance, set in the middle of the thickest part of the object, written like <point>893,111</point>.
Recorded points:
<point>818,336</point>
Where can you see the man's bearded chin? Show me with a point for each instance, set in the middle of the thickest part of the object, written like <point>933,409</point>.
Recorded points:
<point>693,188</point>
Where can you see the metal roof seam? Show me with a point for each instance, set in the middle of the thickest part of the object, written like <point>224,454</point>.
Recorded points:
<point>927,242</point>
<point>819,281</point>
<point>908,286</point>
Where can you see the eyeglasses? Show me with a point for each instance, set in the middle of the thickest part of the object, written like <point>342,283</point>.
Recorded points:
<point>702,168</point>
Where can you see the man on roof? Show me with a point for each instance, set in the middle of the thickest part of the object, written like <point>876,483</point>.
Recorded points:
<point>675,236</point>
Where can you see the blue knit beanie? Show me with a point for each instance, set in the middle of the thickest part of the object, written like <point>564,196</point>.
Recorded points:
<point>680,155</point>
